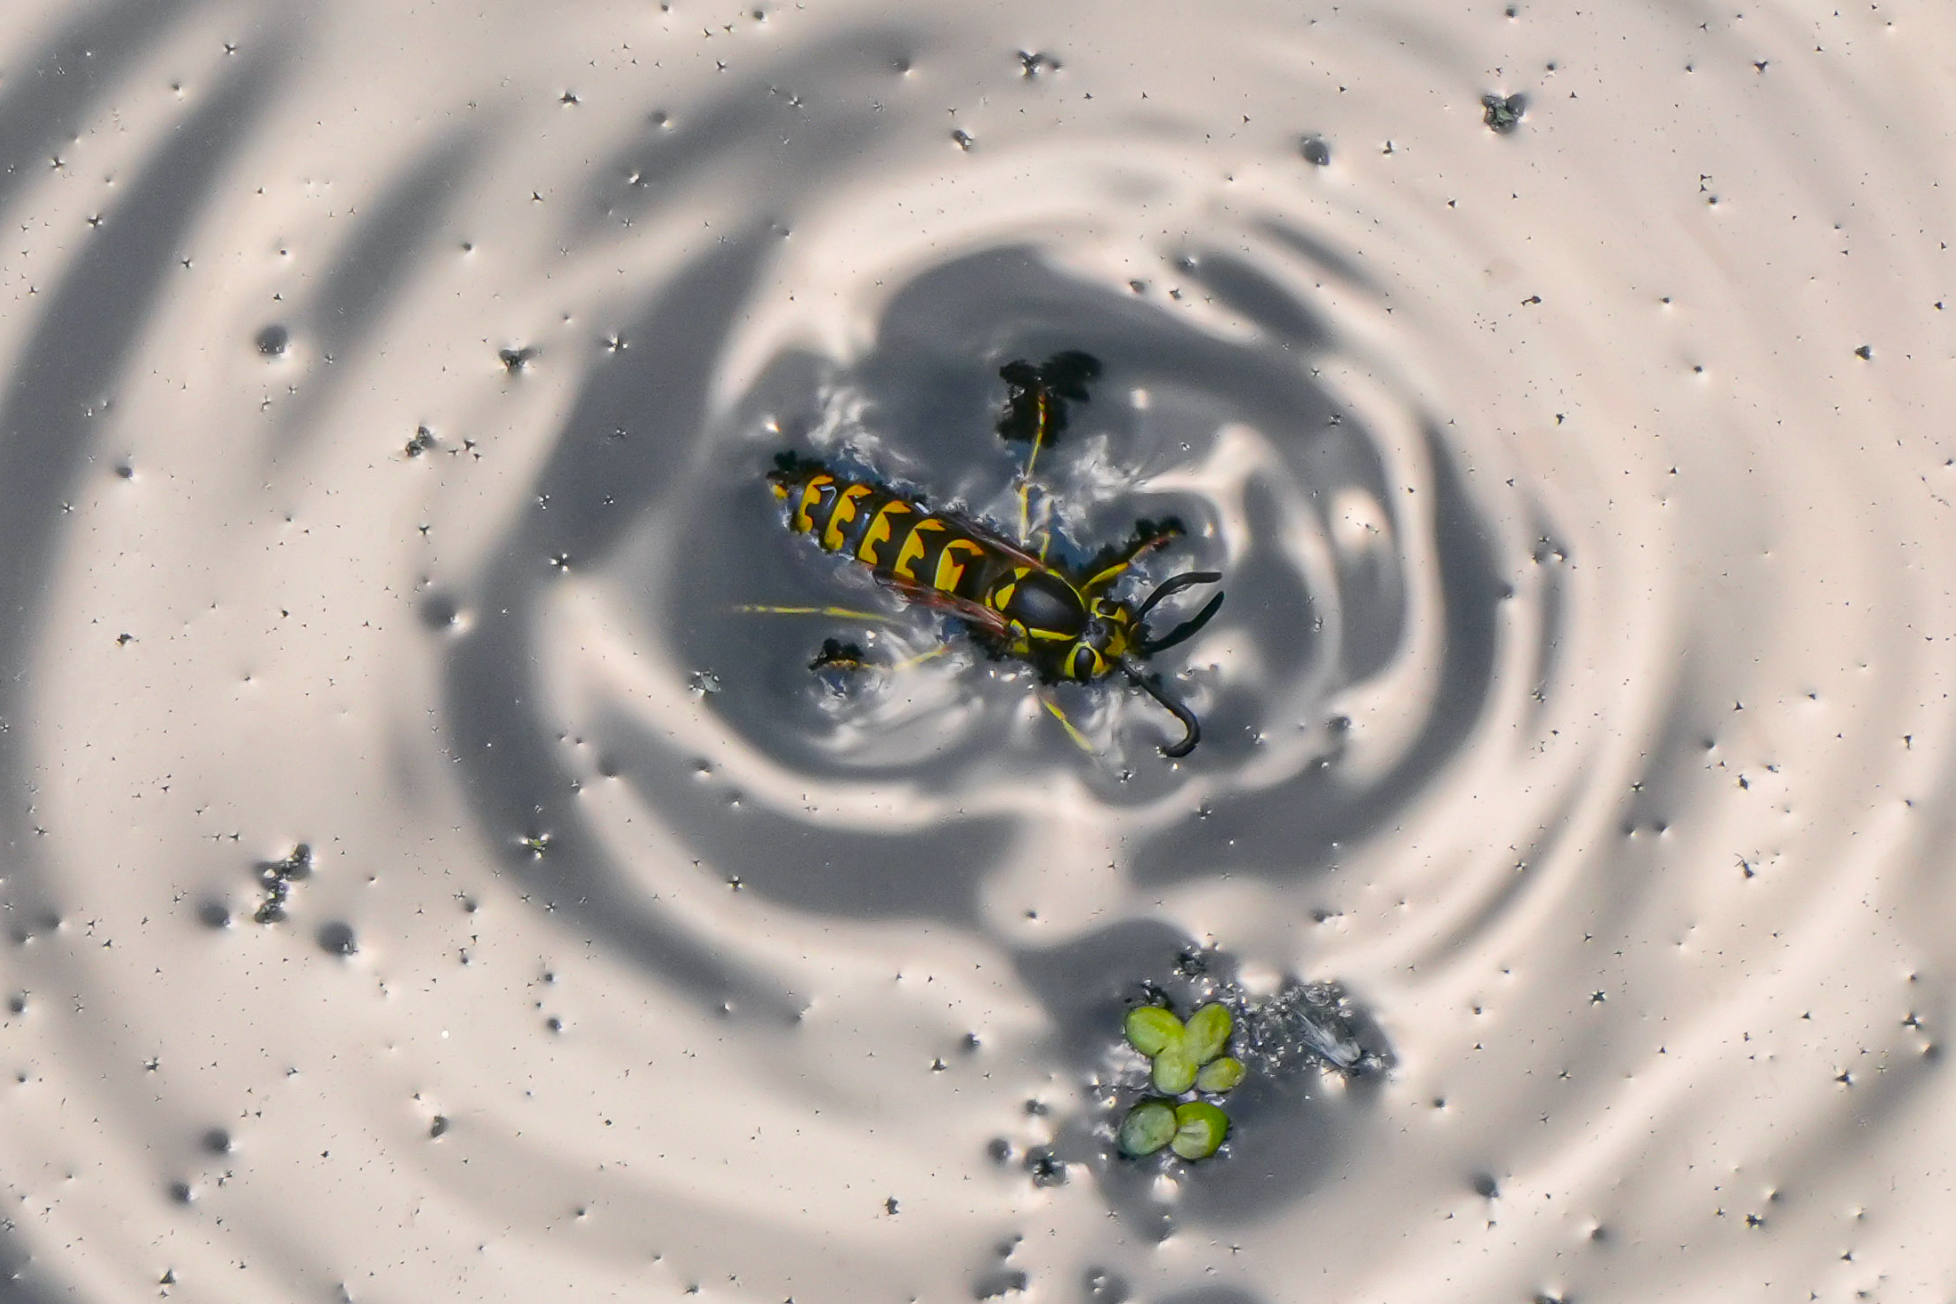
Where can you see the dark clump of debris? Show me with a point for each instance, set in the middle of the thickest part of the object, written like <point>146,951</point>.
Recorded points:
<point>277,878</point>
<point>1503,113</point>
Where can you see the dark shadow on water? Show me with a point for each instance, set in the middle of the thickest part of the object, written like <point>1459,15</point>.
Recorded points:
<point>1293,830</point>
<point>591,490</point>
<point>372,269</point>
<point>91,320</point>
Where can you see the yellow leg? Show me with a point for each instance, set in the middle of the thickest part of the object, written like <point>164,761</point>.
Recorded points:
<point>1100,583</point>
<point>844,613</point>
<point>921,657</point>
<point>1032,460</point>
<point>1071,730</point>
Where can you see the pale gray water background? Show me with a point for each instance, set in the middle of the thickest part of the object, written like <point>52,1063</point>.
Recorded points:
<point>388,392</point>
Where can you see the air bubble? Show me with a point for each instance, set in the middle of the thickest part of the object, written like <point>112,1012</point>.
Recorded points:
<point>337,938</point>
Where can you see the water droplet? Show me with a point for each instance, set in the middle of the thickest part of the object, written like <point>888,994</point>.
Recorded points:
<point>439,611</point>
<point>337,938</point>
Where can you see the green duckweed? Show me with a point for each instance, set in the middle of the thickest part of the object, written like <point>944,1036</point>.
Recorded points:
<point>1151,1029</point>
<point>1148,1127</point>
<point>1199,1129</point>
<point>1220,1075</point>
<point>1208,1032</point>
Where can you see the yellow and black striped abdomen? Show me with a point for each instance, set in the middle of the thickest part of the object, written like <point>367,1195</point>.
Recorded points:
<point>893,535</point>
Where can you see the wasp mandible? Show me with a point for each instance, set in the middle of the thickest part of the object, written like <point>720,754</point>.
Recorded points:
<point>1064,621</point>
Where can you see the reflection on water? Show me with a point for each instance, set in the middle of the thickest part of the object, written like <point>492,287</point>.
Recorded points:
<point>424,878</point>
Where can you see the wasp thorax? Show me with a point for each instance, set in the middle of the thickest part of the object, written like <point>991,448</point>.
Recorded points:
<point>1046,604</point>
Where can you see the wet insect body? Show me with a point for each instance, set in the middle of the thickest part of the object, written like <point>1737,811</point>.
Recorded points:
<point>1066,625</point>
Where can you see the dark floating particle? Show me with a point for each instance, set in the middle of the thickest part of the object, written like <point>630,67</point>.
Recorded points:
<point>838,655</point>
<point>17,1003</point>
<point>1503,115</point>
<point>214,914</point>
<point>1033,62</point>
<point>424,439</point>
<point>277,878</point>
<point>1865,352</point>
<point>217,1141</point>
<point>438,1125</point>
<point>1486,1187</point>
<point>338,938</point>
<point>963,140</point>
<point>126,471</point>
<point>1316,150</point>
<point>274,340</point>
<point>1046,1168</point>
<point>515,360</point>
<point>180,1192</point>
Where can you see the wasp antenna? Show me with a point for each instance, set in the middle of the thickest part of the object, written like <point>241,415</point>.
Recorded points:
<point>1188,629</point>
<point>1192,727</point>
<point>1169,587</point>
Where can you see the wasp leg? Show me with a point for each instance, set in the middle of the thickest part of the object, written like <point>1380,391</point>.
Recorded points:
<point>841,613</point>
<point>1108,568</point>
<point>910,662</point>
<point>1072,730</point>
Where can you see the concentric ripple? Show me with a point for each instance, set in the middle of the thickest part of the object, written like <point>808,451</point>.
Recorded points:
<point>426,877</point>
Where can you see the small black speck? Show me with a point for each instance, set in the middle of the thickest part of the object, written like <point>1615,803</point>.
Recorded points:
<point>963,140</point>
<point>125,471</point>
<point>217,1141</point>
<point>17,1003</point>
<point>274,340</point>
<point>1316,150</point>
<point>1486,1187</point>
<point>1000,1150</point>
<point>890,1206</point>
<point>214,914</point>
<point>554,1023</point>
<point>1865,352</point>
<point>515,360</point>
<point>180,1192</point>
<point>438,1125</point>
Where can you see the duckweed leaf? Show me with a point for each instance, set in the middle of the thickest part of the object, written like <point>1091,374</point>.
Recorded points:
<point>1174,1071</point>
<point>1151,1029</point>
<point>1208,1032</point>
<point>1148,1127</point>
<point>1200,1129</point>
<point>1220,1075</point>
